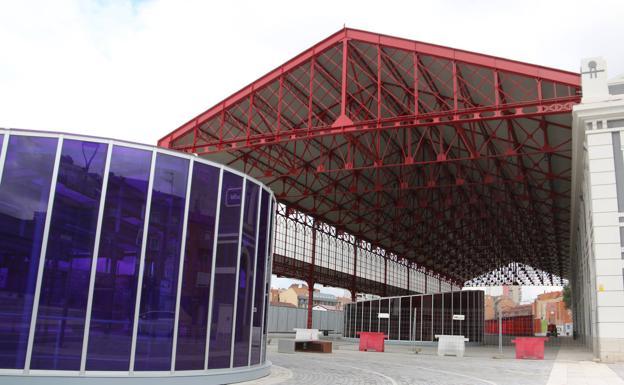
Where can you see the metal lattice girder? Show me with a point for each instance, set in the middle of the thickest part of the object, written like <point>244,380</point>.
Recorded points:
<point>458,161</point>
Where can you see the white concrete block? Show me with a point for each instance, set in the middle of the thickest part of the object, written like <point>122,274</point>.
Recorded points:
<point>600,152</point>
<point>608,267</point>
<point>605,219</point>
<point>598,138</point>
<point>603,191</point>
<point>610,299</point>
<point>607,251</point>
<point>611,314</point>
<point>607,234</point>
<point>610,330</point>
<point>611,282</point>
<point>601,165</point>
<point>598,178</point>
<point>604,205</point>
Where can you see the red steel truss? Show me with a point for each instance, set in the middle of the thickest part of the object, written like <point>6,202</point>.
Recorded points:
<point>457,162</point>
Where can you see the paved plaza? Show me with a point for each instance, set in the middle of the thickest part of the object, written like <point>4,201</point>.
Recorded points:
<point>399,365</point>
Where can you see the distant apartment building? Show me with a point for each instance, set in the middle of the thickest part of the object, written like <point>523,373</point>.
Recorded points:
<point>297,295</point>
<point>551,308</point>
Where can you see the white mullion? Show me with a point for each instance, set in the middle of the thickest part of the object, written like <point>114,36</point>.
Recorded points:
<point>378,319</point>
<point>411,332</point>
<point>176,321</point>
<point>212,269</point>
<point>400,301</point>
<point>42,254</point>
<point>255,270</point>
<point>452,312</point>
<point>468,311</point>
<point>461,324</point>
<point>370,315</point>
<point>5,144</point>
<point>345,320</point>
<point>432,300</point>
<point>421,316</point>
<point>94,259</point>
<point>389,315</point>
<point>268,272</point>
<point>361,318</point>
<point>236,272</point>
<point>137,304</point>
<point>442,314</point>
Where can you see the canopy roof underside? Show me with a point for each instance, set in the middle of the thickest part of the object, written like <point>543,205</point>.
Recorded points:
<point>456,161</point>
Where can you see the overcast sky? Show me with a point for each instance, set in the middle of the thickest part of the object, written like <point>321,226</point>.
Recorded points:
<point>136,70</point>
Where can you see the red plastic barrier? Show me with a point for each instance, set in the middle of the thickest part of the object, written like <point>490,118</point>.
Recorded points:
<point>530,347</point>
<point>371,341</point>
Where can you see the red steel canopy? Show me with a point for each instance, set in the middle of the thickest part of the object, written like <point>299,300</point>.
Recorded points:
<point>458,161</point>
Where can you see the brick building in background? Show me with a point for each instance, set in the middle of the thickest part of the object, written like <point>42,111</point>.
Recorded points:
<point>547,309</point>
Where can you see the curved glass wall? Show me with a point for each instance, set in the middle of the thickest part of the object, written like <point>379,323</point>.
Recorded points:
<point>129,259</point>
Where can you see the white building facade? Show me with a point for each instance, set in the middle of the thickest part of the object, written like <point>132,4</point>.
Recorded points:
<point>597,231</point>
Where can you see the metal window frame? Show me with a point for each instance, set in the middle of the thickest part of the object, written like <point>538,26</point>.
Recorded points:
<point>411,331</point>
<point>370,315</point>
<point>94,259</point>
<point>5,146</point>
<point>255,267</point>
<point>122,143</point>
<point>362,317</point>
<point>442,313</point>
<point>400,305</point>
<point>139,290</point>
<point>355,317</point>
<point>237,272</point>
<point>176,322</point>
<point>378,319</point>
<point>389,315</point>
<point>42,255</point>
<point>212,269</point>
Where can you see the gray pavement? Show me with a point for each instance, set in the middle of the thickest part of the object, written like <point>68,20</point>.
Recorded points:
<point>618,368</point>
<point>400,365</point>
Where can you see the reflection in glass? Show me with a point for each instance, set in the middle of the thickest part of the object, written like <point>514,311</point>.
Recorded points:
<point>225,273</point>
<point>162,261</point>
<point>24,193</point>
<point>200,233</point>
<point>112,315</point>
<point>245,276</point>
<point>63,301</point>
<point>256,332</point>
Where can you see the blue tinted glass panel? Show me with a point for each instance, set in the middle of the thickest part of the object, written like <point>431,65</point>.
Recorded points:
<point>24,193</point>
<point>64,289</point>
<point>162,261</point>
<point>256,331</point>
<point>244,298</point>
<point>112,316</point>
<point>194,298</point>
<point>225,274</point>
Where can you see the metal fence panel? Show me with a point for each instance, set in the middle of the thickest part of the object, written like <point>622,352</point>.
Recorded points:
<point>284,319</point>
